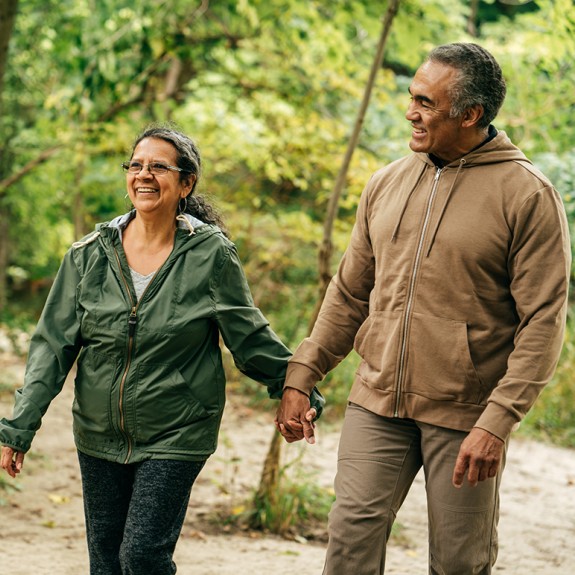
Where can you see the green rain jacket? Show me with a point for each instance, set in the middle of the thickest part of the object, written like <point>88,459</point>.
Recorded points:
<point>150,381</point>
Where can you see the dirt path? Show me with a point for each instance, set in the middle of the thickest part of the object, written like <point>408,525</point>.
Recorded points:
<point>42,529</point>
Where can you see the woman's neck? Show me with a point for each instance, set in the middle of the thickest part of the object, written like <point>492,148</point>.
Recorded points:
<point>148,244</point>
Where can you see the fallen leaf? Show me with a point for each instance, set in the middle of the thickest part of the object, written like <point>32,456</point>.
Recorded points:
<point>59,499</point>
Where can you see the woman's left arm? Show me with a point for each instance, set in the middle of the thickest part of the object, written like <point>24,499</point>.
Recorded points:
<point>257,351</point>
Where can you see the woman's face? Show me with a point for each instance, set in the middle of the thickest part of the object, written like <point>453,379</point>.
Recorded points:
<point>156,194</point>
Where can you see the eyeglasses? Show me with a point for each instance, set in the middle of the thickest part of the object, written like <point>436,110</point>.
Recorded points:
<point>156,168</point>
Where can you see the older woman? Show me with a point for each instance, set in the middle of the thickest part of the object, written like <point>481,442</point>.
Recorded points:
<point>141,303</point>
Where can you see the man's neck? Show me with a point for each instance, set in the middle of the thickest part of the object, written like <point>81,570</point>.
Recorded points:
<point>491,133</point>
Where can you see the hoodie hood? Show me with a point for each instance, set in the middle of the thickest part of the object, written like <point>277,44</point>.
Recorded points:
<point>497,150</point>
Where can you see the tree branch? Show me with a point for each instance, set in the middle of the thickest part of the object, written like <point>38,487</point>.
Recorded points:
<point>40,159</point>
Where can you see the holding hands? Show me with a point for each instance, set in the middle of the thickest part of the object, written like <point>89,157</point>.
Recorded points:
<point>294,417</point>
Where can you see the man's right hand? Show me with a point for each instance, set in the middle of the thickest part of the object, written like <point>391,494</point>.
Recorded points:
<point>294,417</point>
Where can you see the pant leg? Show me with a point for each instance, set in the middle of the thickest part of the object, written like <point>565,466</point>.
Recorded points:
<point>378,460</point>
<point>156,514</point>
<point>107,490</point>
<point>462,522</point>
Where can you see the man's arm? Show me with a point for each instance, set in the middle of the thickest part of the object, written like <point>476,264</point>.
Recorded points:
<point>540,265</point>
<point>344,309</point>
<point>539,269</point>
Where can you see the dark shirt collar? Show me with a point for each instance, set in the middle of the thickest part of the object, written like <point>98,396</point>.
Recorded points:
<point>491,133</point>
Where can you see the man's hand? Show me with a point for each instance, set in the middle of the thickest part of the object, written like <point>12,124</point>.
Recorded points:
<point>12,461</point>
<point>479,456</point>
<point>294,417</point>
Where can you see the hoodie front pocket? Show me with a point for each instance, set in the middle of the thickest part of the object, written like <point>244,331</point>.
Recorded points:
<point>438,361</point>
<point>377,343</point>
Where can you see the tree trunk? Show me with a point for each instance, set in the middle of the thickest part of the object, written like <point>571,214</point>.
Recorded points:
<point>268,488</point>
<point>326,248</point>
<point>7,19</point>
<point>472,19</point>
<point>3,258</point>
<point>78,199</point>
<point>269,480</point>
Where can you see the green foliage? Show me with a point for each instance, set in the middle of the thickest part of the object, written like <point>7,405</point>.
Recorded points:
<point>296,508</point>
<point>7,486</point>
<point>271,101</point>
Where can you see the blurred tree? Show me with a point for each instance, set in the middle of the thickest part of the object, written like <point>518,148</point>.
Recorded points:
<point>270,90</point>
<point>7,18</point>
<point>271,101</point>
<point>269,485</point>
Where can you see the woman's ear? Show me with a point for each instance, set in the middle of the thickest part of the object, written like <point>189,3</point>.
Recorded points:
<point>189,183</point>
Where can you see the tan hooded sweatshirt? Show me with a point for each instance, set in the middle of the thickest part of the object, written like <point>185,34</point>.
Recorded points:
<point>453,291</point>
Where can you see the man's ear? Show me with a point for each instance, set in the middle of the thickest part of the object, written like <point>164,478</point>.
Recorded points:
<point>471,116</point>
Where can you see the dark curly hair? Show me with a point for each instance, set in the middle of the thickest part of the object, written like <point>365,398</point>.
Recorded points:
<point>189,160</point>
<point>480,79</point>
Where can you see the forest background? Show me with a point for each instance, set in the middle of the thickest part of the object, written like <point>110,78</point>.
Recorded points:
<point>270,90</point>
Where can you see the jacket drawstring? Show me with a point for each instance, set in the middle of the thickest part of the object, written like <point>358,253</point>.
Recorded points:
<point>182,218</point>
<point>87,241</point>
<point>434,233</point>
<point>396,229</point>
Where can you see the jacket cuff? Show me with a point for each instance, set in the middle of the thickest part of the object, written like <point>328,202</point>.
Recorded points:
<point>497,420</point>
<point>300,377</point>
<point>18,440</point>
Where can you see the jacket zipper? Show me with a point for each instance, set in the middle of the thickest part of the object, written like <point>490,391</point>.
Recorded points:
<point>132,322</point>
<point>411,291</point>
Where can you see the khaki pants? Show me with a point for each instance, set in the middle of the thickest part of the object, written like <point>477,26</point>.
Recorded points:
<point>378,460</point>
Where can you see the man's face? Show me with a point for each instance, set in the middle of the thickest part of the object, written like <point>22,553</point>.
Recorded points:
<point>434,132</point>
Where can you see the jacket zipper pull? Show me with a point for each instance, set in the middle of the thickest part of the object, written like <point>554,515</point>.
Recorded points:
<point>132,320</point>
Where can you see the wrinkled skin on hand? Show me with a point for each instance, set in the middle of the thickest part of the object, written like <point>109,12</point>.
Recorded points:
<point>11,461</point>
<point>294,417</point>
<point>479,457</point>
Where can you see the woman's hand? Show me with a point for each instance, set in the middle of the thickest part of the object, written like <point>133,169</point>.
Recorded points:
<point>12,461</point>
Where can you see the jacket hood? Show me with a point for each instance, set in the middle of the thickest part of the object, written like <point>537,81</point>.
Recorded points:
<point>189,228</point>
<point>185,221</point>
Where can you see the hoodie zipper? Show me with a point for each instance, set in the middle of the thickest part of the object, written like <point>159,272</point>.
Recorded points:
<point>132,322</point>
<point>411,291</point>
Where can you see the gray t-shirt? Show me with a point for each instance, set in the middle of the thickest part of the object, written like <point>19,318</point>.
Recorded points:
<point>140,281</point>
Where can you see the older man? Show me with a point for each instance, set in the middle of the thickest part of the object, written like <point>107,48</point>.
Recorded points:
<point>453,292</point>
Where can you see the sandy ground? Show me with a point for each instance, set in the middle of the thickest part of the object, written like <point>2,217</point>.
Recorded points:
<point>42,526</point>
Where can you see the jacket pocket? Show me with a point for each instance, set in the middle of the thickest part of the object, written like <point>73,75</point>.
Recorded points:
<point>438,363</point>
<point>377,343</point>
<point>92,408</point>
<point>163,404</point>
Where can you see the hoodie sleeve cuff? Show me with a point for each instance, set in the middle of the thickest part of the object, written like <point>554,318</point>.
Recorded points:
<point>497,420</point>
<point>300,377</point>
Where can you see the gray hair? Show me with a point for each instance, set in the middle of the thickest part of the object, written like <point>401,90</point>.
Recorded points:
<point>189,160</point>
<point>480,79</point>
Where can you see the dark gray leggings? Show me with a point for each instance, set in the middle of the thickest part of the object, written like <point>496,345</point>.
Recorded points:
<point>134,513</point>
